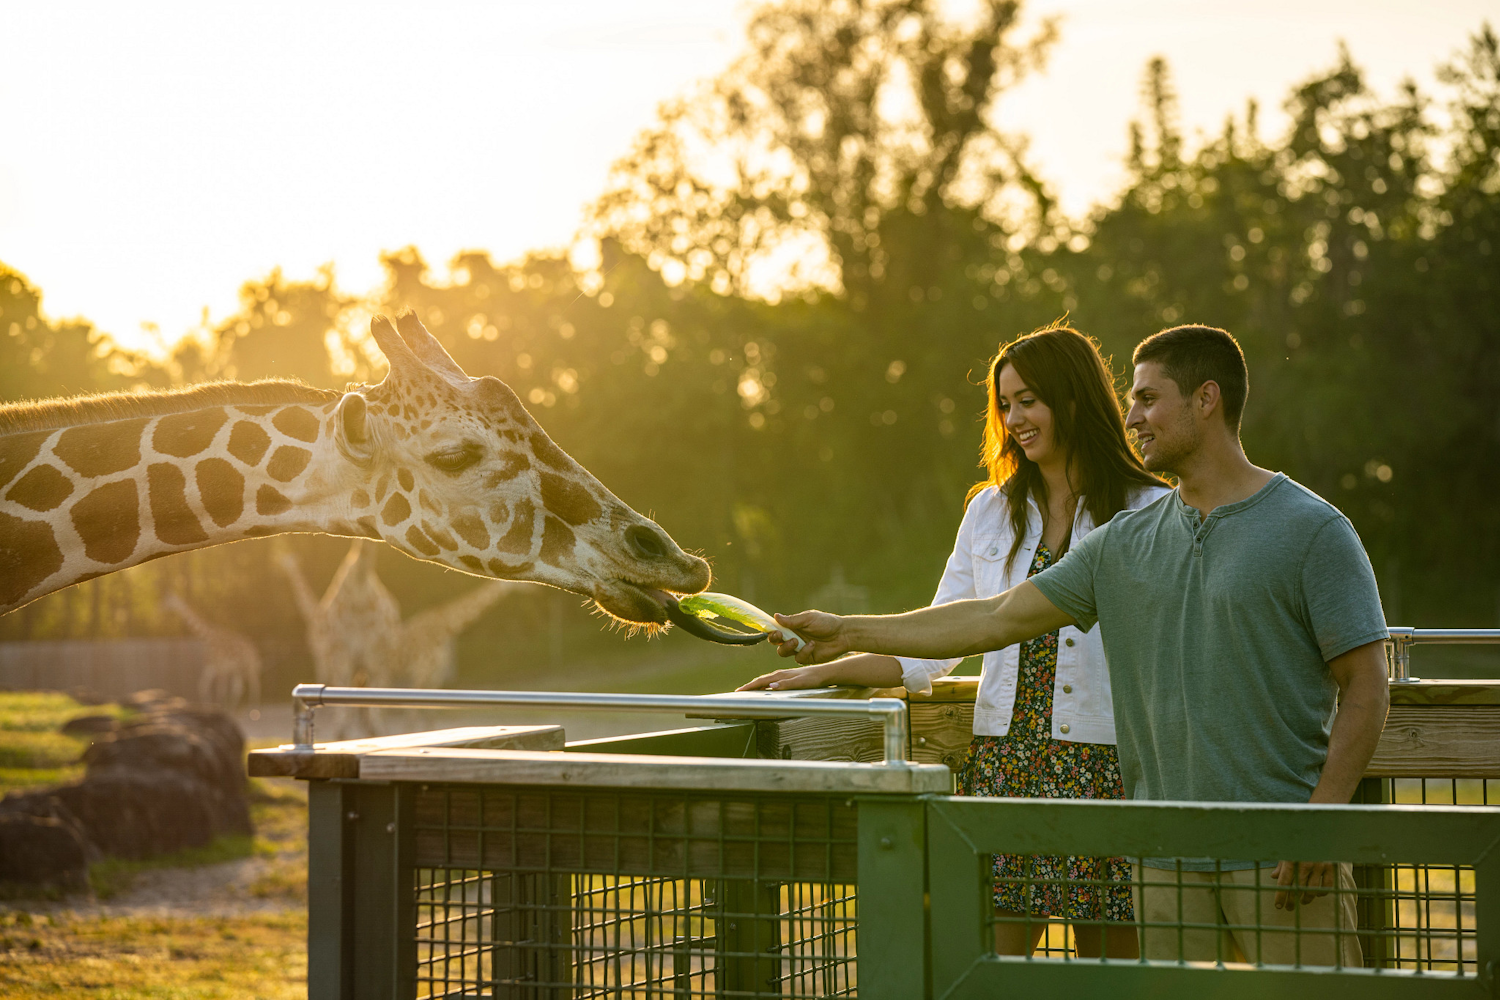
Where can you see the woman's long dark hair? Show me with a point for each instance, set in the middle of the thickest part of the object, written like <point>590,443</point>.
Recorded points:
<point>1064,368</point>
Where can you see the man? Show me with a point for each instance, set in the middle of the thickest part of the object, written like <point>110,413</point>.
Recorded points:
<point>1235,612</point>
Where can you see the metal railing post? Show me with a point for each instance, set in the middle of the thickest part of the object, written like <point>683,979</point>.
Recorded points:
<point>1403,638</point>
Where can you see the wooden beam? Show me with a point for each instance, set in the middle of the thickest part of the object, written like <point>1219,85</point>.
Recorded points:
<point>521,767</point>
<point>1439,741</point>
<point>341,760</point>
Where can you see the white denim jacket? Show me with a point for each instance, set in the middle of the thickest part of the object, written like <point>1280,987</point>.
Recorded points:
<point>1082,711</point>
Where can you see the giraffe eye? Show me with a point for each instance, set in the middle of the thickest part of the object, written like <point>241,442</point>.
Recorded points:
<point>454,462</point>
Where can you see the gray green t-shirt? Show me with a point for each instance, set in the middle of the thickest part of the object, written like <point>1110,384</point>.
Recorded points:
<point>1218,635</point>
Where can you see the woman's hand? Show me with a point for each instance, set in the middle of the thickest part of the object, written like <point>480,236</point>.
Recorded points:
<point>788,680</point>
<point>825,635</point>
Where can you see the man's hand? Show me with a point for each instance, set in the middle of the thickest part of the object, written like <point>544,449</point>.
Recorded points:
<point>824,634</point>
<point>1315,878</point>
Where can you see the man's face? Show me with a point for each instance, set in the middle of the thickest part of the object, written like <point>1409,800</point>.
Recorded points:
<point>1161,418</point>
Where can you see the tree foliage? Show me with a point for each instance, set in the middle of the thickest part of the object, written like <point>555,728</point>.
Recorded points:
<point>836,429</point>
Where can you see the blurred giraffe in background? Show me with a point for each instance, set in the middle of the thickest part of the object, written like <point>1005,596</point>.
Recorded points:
<point>357,637</point>
<point>231,665</point>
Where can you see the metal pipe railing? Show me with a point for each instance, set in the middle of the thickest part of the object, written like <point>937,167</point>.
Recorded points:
<point>1398,648</point>
<point>891,712</point>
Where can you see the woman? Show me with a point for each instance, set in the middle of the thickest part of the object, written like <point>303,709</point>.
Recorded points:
<point>1058,464</point>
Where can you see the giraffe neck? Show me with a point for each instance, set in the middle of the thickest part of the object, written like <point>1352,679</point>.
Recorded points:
<point>113,489</point>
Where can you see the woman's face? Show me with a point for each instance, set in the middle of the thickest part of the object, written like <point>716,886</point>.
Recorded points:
<point>1027,418</point>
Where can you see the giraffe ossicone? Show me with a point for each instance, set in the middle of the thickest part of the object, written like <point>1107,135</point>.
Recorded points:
<point>447,468</point>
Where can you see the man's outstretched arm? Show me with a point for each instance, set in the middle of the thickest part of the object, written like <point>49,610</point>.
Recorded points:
<point>962,628</point>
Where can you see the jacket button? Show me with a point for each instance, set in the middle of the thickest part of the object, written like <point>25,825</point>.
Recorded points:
<point>1067,689</point>
<point>1067,642</point>
<point>1063,728</point>
<point>994,551</point>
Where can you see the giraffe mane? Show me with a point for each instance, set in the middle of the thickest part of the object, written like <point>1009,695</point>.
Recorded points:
<point>91,408</point>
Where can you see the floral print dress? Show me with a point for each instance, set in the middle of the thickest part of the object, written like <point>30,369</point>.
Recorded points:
<point>1028,763</point>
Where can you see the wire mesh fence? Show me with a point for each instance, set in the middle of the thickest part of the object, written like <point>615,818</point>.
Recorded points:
<point>543,893</point>
<point>1405,916</point>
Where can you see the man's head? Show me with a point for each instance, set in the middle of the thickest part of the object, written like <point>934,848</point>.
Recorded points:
<point>1190,382</point>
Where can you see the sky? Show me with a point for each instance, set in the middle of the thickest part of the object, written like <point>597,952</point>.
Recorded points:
<point>156,155</point>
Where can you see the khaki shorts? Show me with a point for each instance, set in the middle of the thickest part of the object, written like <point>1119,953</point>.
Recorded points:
<point>1226,903</point>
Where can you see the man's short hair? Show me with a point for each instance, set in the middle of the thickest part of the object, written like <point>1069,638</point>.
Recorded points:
<point>1192,355</point>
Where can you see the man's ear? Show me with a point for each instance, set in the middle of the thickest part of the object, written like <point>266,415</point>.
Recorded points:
<point>353,429</point>
<point>1207,399</point>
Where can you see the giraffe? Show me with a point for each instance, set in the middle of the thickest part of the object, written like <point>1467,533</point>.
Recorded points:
<point>446,468</point>
<point>423,651</point>
<point>349,627</point>
<point>231,669</point>
<point>357,636</point>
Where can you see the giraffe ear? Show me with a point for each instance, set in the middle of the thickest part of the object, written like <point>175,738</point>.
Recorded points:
<point>426,347</point>
<point>353,431</point>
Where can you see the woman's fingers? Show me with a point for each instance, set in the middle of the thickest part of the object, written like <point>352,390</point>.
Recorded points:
<point>784,680</point>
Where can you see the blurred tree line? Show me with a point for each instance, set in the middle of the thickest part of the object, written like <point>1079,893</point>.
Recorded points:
<point>803,267</point>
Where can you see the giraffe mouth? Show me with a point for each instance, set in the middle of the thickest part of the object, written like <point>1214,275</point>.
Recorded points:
<point>636,603</point>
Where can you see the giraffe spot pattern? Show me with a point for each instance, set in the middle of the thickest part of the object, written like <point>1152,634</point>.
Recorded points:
<point>515,463</point>
<point>248,442</point>
<point>41,489</point>
<point>381,488</point>
<point>518,538</point>
<point>420,542</point>
<point>109,522</point>
<point>426,502</point>
<point>501,569</point>
<point>360,499</point>
<point>295,422</point>
<point>499,512</point>
<point>101,449</point>
<point>256,409</point>
<point>404,477</point>
<point>269,502</point>
<point>368,527</point>
<point>17,451</point>
<point>472,562</point>
<point>166,488</point>
<point>472,530</point>
<point>287,463</point>
<point>543,448</point>
<point>262,530</point>
<point>439,535</point>
<point>183,435</point>
<point>557,542</point>
<point>396,509</point>
<point>221,488</point>
<point>28,555</point>
<point>569,499</point>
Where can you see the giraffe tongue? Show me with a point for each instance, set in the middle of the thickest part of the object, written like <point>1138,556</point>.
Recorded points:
<point>693,625</point>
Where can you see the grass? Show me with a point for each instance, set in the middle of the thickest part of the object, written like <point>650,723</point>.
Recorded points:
<point>47,951</point>
<point>163,958</point>
<point>32,752</point>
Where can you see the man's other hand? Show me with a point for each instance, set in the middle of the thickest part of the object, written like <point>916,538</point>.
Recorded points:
<point>1314,878</point>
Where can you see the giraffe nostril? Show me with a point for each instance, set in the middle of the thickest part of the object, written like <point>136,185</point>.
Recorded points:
<point>646,543</point>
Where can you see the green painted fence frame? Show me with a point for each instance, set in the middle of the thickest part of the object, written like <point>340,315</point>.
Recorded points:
<point>963,832</point>
<point>923,885</point>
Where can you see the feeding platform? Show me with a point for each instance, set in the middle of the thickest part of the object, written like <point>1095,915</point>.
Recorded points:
<point>807,844</point>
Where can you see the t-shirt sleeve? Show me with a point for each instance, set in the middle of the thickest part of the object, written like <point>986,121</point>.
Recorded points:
<point>1070,584</point>
<point>1339,590</point>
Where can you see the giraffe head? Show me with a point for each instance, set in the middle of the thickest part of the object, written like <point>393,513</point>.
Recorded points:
<point>454,470</point>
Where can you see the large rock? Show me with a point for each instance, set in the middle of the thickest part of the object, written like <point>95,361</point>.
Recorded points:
<point>169,778</point>
<point>42,843</point>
